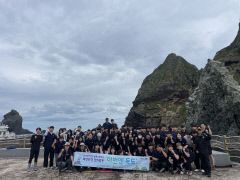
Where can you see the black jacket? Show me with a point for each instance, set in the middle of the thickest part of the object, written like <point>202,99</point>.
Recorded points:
<point>36,141</point>
<point>59,146</point>
<point>202,142</point>
<point>49,139</point>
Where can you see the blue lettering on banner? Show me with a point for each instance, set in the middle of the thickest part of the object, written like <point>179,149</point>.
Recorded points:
<point>111,161</point>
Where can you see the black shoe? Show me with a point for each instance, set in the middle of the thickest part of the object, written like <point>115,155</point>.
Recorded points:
<point>204,173</point>
<point>208,175</point>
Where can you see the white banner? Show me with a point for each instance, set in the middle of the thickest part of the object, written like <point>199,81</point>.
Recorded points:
<point>111,161</point>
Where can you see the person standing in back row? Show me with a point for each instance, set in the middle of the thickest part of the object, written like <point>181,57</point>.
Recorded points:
<point>107,125</point>
<point>202,147</point>
<point>49,143</point>
<point>36,140</point>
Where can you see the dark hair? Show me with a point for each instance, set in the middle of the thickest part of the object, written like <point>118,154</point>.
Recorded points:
<point>179,133</point>
<point>51,127</point>
<point>163,125</point>
<point>193,125</point>
<point>170,145</point>
<point>188,132</point>
<point>38,129</point>
<point>194,132</point>
<point>120,151</point>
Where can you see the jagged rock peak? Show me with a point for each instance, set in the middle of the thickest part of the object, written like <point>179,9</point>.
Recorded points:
<point>14,122</point>
<point>163,93</point>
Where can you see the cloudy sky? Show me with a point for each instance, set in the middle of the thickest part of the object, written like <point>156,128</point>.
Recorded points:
<point>76,62</point>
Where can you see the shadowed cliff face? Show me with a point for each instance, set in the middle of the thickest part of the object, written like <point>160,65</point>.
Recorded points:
<point>14,122</point>
<point>162,96</point>
<point>216,100</point>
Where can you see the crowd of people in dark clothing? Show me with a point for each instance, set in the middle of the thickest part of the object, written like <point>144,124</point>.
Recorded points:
<point>171,149</point>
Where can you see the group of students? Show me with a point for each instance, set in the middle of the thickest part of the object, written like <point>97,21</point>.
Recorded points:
<point>169,148</point>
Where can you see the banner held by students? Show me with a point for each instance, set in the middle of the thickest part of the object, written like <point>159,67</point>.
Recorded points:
<point>111,161</point>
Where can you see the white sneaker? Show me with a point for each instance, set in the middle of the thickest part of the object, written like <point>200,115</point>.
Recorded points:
<point>196,170</point>
<point>203,171</point>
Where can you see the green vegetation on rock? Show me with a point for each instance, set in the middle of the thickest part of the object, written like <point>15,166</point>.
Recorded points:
<point>163,94</point>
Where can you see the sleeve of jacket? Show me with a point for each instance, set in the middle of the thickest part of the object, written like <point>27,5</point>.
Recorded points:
<point>197,144</point>
<point>40,138</point>
<point>209,137</point>
<point>32,139</point>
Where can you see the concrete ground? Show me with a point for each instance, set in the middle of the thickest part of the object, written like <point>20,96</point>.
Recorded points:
<point>15,168</point>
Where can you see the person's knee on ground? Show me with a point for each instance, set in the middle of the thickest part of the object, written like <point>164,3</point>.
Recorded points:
<point>155,165</point>
<point>69,164</point>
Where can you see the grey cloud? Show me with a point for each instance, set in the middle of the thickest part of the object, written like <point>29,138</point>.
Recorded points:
<point>76,62</point>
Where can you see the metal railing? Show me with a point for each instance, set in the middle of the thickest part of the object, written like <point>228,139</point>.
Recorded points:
<point>18,142</point>
<point>227,144</point>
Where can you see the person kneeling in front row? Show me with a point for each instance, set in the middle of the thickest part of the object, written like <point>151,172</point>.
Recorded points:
<point>159,158</point>
<point>65,158</point>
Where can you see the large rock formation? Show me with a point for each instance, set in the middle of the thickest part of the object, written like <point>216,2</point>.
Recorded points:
<point>216,100</point>
<point>14,122</point>
<point>162,96</point>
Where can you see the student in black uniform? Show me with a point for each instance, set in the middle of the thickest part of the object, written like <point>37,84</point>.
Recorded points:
<point>173,159</point>
<point>149,152</point>
<point>147,140</point>
<point>49,143</point>
<point>181,140</point>
<point>131,145</point>
<point>159,159</point>
<point>36,140</point>
<point>196,152</point>
<point>59,145</point>
<point>97,149</point>
<point>112,151</point>
<point>209,131</point>
<point>202,147</point>
<point>169,140</point>
<point>186,157</point>
<point>89,142</point>
<point>114,125</point>
<point>65,158</point>
<point>158,140</point>
<point>139,151</point>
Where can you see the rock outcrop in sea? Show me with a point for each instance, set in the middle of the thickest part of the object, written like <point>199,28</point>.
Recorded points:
<point>14,122</point>
<point>216,100</point>
<point>162,96</point>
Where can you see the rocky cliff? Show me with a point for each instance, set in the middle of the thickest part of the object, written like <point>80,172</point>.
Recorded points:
<point>162,96</point>
<point>216,100</point>
<point>14,122</point>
